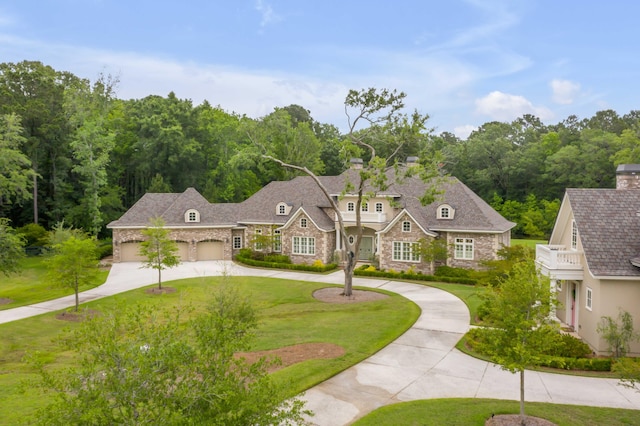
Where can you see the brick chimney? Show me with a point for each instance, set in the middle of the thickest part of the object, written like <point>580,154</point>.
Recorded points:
<point>628,176</point>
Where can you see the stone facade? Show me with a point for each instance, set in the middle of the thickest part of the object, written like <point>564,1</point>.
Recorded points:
<point>398,234</point>
<point>485,247</point>
<point>324,241</point>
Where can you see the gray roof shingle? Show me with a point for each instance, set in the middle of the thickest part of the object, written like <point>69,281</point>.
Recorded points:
<point>608,225</point>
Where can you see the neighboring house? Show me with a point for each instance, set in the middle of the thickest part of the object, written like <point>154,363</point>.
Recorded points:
<point>298,216</point>
<point>593,256</point>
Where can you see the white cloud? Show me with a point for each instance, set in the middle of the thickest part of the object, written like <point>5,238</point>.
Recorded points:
<point>506,107</point>
<point>564,91</point>
<point>267,13</point>
<point>463,132</point>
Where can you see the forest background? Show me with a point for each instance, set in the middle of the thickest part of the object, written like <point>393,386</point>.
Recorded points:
<point>71,151</point>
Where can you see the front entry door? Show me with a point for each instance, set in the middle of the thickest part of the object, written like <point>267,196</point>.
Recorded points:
<point>366,248</point>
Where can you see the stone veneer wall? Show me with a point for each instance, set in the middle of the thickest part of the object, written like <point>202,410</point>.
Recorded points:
<point>485,247</point>
<point>190,235</point>
<point>397,234</point>
<point>325,242</point>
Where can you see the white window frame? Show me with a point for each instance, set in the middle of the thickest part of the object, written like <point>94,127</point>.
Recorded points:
<point>406,226</point>
<point>406,251</point>
<point>237,242</point>
<point>258,246</point>
<point>589,299</point>
<point>379,207</point>
<point>303,222</point>
<point>464,249</point>
<point>574,235</point>
<point>192,216</point>
<point>282,209</point>
<point>277,240</point>
<point>351,206</point>
<point>364,207</point>
<point>305,246</point>
<point>351,239</point>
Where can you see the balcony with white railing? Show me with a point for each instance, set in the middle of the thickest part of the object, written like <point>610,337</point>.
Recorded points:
<point>365,217</point>
<point>559,263</point>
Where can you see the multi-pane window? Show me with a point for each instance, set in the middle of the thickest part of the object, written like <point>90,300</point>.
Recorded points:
<point>303,222</point>
<point>406,226</point>
<point>444,213</point>
<point>574,235</point>
<point>365,207</point>
<point>258,240</point>
<point>589,304</point>
<point>192,216</point>
<point>282,209</point>
<point>237,242</point>
<point>464,248</point>
<point>351,206</point>
<point>378,207</point>
<point>406,251</point>
<point>277,240</point>
<point>304,245</point>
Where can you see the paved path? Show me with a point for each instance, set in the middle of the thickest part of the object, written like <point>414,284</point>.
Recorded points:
<point>422,364</point>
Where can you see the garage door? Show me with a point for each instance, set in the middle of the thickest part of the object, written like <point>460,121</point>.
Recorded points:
<point>130,252</point>
<point>210,250</point>
<point>183,251</point>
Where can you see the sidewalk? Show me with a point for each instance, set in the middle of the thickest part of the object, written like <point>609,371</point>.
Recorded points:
<point>422,364</point>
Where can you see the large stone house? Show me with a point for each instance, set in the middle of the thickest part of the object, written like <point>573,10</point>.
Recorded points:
<point>298,216</point>
<point>593,256</point>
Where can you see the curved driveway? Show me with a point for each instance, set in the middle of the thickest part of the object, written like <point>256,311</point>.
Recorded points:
<point>422,364</point>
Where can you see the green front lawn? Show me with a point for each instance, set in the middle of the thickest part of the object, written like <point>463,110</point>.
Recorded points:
<point>475,412</point>
<point>31,285</point>
<point>288,315</point>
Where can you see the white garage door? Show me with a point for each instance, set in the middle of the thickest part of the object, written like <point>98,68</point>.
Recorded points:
<point>183,251</point>
<point>210,250</point>
<point>130,252</point>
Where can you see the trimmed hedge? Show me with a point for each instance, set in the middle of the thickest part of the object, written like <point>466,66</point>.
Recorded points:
<point>289,266</point>
<point>416,277</point>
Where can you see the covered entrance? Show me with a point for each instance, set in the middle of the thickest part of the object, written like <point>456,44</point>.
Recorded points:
<point>366,248</point>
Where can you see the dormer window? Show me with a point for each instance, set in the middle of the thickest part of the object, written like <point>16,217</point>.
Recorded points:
<point>445,211</point>
<point>283,209</point>
<point>192,216</point>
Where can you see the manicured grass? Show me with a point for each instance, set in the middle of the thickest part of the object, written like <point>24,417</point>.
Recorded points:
<point>528,243</point>
<point>32,286</point>
<point>288,315</point>
<point>475,412</point>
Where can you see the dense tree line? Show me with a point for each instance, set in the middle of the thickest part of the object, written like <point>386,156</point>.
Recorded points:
<point>71,150</point>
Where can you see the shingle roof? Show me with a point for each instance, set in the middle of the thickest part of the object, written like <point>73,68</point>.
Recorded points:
<point>608,224</point>
<point>472,213</point>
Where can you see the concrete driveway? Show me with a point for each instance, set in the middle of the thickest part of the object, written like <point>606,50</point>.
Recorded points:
<point>422,364</point>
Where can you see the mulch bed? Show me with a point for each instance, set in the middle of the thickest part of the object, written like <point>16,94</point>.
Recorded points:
<point>336,295</point>
<point>5,301</point>
<point>290,355</point>
<point>78,316</point>
<point>163,290</point>
<point>514,420</point>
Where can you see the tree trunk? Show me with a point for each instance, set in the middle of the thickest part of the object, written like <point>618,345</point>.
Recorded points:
<point>35,198</point>
<point>522,415</point>
<point>348,273</point>
<point>159,278</point>
<point>77,298</point>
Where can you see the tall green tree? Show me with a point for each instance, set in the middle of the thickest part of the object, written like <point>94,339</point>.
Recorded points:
<point>88,107</point>
<point>142,365</point>
<point>519,309</point>
<point>75,263</point>
<point>11,248</point>
<point>16,174</point>
<point>159,251</point>
<point>382,111</point>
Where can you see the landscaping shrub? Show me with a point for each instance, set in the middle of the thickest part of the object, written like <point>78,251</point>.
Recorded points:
<point>448,271</point>
<point>104,248</point>
<point>276,258</point>
<point>290,266</point>
<point>368,272</point>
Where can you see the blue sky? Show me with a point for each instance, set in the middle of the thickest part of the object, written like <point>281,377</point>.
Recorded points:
<point>463,62</point>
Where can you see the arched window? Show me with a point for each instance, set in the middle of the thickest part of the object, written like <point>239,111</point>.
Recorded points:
<point>445,211</point>
<point>192,215</point>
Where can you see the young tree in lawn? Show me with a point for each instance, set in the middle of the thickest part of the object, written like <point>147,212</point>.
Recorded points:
<point>384,135</point>
<point>142,365</point>
<point>519,309</point>
<point>159,251</point>
<point>74,263</point>
<point>11,248</point>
